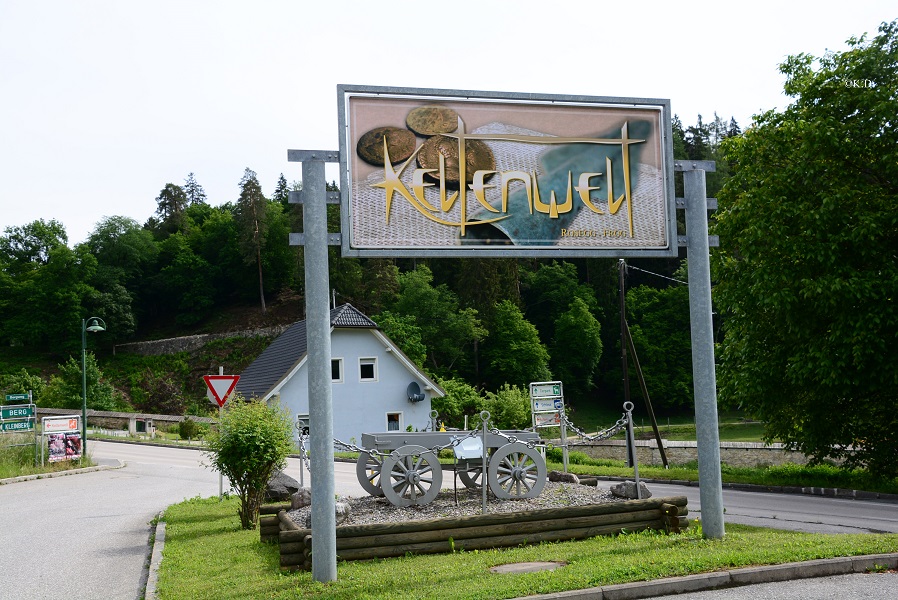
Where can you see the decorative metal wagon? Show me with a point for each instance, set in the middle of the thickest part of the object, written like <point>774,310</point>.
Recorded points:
<point>404,466</point>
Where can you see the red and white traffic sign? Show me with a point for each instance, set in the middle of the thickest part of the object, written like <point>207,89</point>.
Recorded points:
<point>221,386</point>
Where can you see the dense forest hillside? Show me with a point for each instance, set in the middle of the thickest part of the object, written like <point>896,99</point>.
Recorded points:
<point>479,325</point>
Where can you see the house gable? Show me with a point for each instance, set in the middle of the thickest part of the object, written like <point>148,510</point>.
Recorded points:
<point>370,396</point>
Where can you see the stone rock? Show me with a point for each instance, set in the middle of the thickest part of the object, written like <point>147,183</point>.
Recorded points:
<point>301,498</point>
<point>341,513</point>
<point>627,489</point>
<point>281,487</point>
<point>563,477</point>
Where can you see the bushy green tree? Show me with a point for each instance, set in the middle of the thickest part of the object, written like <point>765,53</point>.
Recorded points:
<point>171,204</point>
<point>404,332</point>
<point>23,382</point>
<point>252,441</point>
<point>509,407</point>
<point>659,324</point>
<point>549,291</point>
<point>808,276</point>
<point>513,350</point>
<point>576,350</point>
<point>65,389</point>
<point>461,399</point>
<point>251,215</point>
<point>447,331</point>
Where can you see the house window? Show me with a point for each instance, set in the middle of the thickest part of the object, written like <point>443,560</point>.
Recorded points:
<point>337,370</point>
<point>368,369</point>
<point>394,421</point>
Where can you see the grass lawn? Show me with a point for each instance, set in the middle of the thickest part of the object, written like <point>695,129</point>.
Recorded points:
<point>207,555</point>
<point>17,457</point>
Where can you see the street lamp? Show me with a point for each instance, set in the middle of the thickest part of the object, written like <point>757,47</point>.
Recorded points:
<point>95,325</point>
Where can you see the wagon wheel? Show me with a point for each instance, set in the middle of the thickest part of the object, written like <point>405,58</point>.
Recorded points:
<point>410,476</point>
<point>367,470</point>
<point>516,471</point>
<point>471,475</point>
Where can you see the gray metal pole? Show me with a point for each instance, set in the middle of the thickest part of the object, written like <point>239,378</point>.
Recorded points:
<point>704,378</point>
<point>318,335</point>
<point>83,389</point>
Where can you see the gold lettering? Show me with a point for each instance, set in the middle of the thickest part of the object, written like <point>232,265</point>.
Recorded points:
<point>418,186</point>
<point>508,177</point>
<point>583,188</point>
<point>392,184</point>
<point>613,205</point>
<point>479,186</point>
<point>552,208</point>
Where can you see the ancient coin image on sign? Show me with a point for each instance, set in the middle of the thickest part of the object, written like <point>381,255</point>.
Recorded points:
<point>478,157</point>
<point>432,120</point>
<point>400,144</point>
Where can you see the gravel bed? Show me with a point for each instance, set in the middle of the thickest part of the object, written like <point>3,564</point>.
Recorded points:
<point>377,509</point>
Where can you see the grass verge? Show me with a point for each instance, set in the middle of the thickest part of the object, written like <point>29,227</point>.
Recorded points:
<point>207,555</point>
<point>789,474</point>
<point>17,458</point>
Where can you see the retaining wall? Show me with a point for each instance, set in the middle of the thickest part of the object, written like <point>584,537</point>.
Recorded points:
<point>191,342</point>
<point>476,532</point>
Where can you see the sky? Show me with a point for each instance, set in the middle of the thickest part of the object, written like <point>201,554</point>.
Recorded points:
<point>104,102</point>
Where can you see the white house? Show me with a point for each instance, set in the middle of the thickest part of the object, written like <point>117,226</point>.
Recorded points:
<point>370,377</point>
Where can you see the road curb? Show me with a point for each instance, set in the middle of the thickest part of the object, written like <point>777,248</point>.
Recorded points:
<point>155,561</point>
<point>847,494</point>
<point>22,478</point>
<point>723,579</point>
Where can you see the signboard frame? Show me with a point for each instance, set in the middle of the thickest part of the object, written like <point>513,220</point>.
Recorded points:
<point>352,213</point>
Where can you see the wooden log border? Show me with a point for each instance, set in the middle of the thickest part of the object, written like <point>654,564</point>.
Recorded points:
<point>476,532</point>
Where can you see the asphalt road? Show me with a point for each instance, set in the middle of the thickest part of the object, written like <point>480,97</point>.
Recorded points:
<point>813,514</point>
<point>86,535</point>
<point>866,586</point>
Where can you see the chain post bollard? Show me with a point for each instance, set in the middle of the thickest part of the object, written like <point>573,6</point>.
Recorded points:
<point>631,442</point>
<point>485,417</point>
<point>433,420</point>
<point>301,427</point>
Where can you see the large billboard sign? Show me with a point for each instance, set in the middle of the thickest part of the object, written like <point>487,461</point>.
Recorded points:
<point>458,173</point>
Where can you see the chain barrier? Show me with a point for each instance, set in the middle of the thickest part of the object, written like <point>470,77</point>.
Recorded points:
<point>585,439</point>
<point>619,426</point>
<point>511,439</point>
<point>455,441</point>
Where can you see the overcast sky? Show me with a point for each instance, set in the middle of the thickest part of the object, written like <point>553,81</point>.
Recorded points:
<point>104,102</point>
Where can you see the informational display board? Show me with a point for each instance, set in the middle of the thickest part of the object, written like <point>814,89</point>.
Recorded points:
<point>460,173</point>
<point>546,403</point>
<point>63,435</point>
<point>547,410</point>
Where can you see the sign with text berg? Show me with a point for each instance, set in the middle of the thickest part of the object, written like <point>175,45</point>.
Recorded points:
<point>452,173</point>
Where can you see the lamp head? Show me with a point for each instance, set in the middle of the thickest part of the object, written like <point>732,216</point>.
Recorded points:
<point>94,325</point>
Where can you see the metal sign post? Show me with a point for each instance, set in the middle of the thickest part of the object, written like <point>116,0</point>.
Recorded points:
<point>631,446</point>
<point>220,388</point>
<point>702,332</point>
<point>318,332</point>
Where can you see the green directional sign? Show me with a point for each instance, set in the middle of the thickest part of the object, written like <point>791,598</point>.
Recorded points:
<point>21,411</point>
<point>27,425</point>
<point>18,397</point>
<point>547,389</point>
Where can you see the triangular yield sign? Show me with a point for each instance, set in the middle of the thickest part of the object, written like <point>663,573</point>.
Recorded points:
<point>221,386</point>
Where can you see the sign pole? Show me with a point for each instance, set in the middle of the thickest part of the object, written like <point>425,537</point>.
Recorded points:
<point>220,414</point>
<point>318,325</point>
<point>702,331</point>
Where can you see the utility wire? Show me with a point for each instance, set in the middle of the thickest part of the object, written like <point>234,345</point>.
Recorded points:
<point>658,275</point>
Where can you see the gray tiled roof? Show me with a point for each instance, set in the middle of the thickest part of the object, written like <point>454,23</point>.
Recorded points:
<point>288,349</point>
